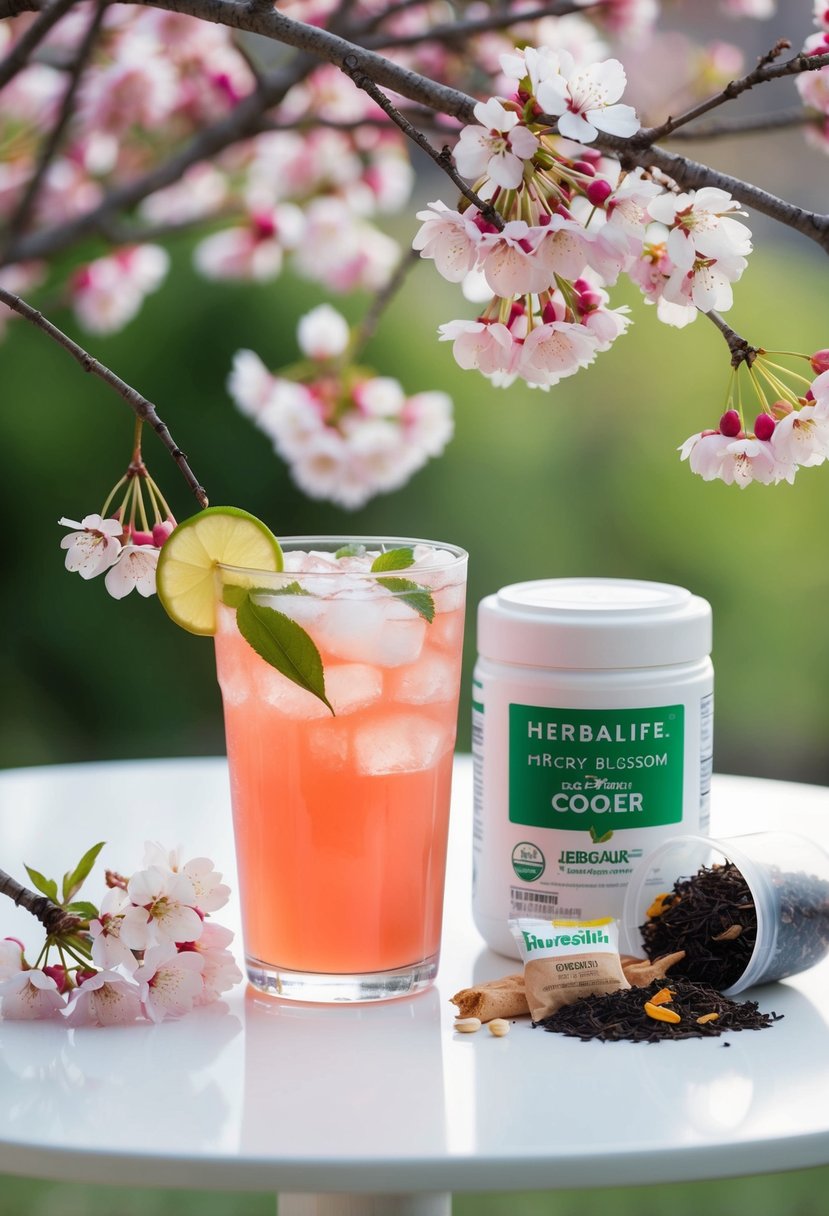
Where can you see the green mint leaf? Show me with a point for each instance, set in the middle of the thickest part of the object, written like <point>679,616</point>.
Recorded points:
<point>351,551</point>
<point>418,598</point>
<point>233,595</point>
<point>83,908</point>
<point>393,559</point>
<point>284,644</point>
<point>45,885</point>
<point>74,880</point>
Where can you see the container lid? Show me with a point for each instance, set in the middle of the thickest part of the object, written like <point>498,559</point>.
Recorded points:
<point>594,623</point>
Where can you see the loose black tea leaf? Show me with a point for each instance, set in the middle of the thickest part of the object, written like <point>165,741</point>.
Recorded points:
<point>712,918</point>
<point>702,1013</point>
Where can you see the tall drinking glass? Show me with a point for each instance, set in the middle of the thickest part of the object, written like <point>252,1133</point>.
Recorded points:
<point>341,818</point>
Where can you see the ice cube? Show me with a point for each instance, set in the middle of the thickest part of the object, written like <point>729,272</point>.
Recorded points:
<point>287,697</point>
<point>350,628</point>
<point>398,743</point>
<point>432,678</point>
<point>446,630</point>
<point>328,743</point>
<point>352,686</point>
<point>306,610</point>
<point>400,640</point>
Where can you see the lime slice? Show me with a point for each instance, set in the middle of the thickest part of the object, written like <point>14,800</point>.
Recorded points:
<point>185,574</point>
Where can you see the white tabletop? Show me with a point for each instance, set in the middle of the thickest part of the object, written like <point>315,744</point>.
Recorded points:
<point>255,1094</point>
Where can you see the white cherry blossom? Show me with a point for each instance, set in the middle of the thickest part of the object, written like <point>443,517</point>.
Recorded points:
<point>163,909</point>
<point>735,461</point>
<point>209,890</point>
<point>250,384</point>
<point>476,344</point>
<point>105,999</point>
<point>108,951</point>
<point>170,981</point>
<point>498,148</point>
<point>94,547</point>
<point>219,972</point>
<point>700,225</point>
<point>134,570</point>
<point>28,995</point>
<point>556,350</point>
<point>509,261</point>
<point>584,99</point>
<point>450,238</point>
<point>11,958</point>
<point>802,437</point>
<point>323,333</point>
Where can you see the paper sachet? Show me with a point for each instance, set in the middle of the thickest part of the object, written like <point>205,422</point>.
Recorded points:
<point>567,959</point>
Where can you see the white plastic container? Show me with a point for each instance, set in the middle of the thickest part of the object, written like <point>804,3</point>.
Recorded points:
<point>592,742</point>
<point>788,877</point>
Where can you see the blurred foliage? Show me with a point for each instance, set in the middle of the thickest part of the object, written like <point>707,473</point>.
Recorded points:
<point>583,480</point>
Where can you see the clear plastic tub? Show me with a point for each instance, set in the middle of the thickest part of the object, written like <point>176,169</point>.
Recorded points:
<point>788,877</point>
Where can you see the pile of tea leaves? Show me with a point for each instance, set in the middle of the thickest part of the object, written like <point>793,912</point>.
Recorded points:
<point>712,918</point>
<point>633,1014</point>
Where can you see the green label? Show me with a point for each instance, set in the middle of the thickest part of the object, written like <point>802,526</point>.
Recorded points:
<point>528,861</point>
<point>595,770</point>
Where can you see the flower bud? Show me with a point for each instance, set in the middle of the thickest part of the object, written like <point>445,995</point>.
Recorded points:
<point>820,361</point>
<point>162,531</point>
<point>599,191</point>
<point>730,424</point>
<point>764,426</point>
<point>81,976</point>
<point>57,972</point>
<point>584,166</point>
<point>781,408</point>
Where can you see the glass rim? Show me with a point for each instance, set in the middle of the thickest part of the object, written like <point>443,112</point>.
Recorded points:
<point>390,542</point>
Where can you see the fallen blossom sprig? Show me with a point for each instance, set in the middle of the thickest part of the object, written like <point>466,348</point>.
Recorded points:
<point>778,425</point>
<point>148,951</point>
<point>345,432</point>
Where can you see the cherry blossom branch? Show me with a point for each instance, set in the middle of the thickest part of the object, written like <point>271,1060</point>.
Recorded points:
<point>54,919</point>
<point>751,124</point>
<point>365,330</point>
<point>26,206</point>
<point>765,71</point>
<point>244,120</point>
<point>443,158</point>
<point>18,56</point>
<point>454,31</point>
<point>141,407</point>
<point>741,350</point>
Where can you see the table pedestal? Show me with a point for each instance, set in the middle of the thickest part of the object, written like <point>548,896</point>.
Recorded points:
<point>364,1205</point>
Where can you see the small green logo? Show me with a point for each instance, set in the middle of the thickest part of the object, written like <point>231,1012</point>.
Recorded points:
<point>599,837</point>
<point>528,861</point>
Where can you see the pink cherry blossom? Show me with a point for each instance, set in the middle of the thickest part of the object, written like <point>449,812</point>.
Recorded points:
<point>209,890</point>
<point>250,384</point>
<point>700,227</point>
<point>735,461</point>
<point>379,397</point>
<point>28,995</point>
<point>450,238</point>
<point>584,99</point>
<point>219,972</point>
<point>477,344</point>
<point>760,10</point>
<point>509,261</point>
<point>255,251</point>
<point>134,570</point>
<point>498,149</point>
<point>427,418</point>
<point>163,909</point>
<point>556,350</point>
<point>104,999</point>
<point>95,547</point>
<point>170,981</point>
<point>109,292</point>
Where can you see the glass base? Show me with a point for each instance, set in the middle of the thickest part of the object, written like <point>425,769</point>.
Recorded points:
<point>339,988</point>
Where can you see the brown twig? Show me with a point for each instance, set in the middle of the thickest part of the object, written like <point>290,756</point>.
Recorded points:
<point>141,407</point>
<point>765,71</point>
<point>18,56</point>
<point>741,350</point>
<point>443,158</point>
<point>54,919</point>
<point>365,330</point>
<point>751,124</point>
<point>454,31</point>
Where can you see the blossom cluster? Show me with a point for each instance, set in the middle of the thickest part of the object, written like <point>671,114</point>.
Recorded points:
<point>558,223</point>
<point>149,952</point>
<point>789,433</point>
<point>813,87</point>
<point>125,555</point>
<point>344,432</point>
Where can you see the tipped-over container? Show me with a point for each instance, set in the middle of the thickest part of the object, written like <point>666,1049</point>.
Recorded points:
<point>788,879</point>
